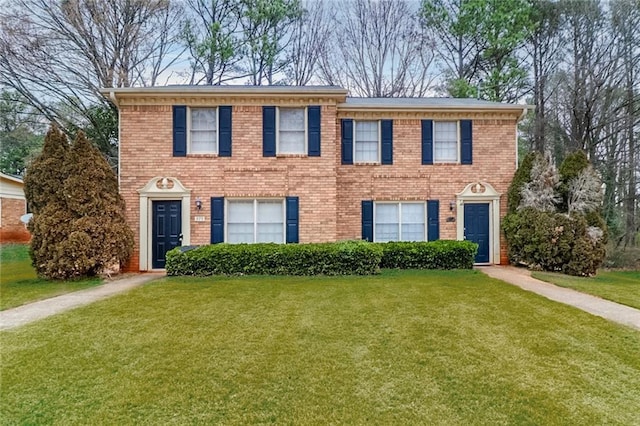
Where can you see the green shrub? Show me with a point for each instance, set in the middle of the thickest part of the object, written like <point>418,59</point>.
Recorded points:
<point>553,242</point>
<point>341,258</point>
<point>443,254</point>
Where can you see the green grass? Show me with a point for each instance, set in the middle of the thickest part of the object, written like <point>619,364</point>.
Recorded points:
<point>617,286</point>
<point>19,283</point>
<point>429,347</point>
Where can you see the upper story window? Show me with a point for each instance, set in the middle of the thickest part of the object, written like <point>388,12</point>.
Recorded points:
<point>399,222</point>
<point>366,142</point>
<point>292,135</point>
<point>255,221</point>
<point>203,130</point>
<point>445,141</point>
<point>291,131</point>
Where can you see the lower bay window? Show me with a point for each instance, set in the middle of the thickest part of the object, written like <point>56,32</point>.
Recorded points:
<point>255,221</point>
<point>399,221</point>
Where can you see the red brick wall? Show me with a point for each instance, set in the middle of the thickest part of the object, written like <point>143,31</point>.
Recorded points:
<point>12,230</point>
<point>146,151</point>
<point>330,194</point>
<point>407,179</point>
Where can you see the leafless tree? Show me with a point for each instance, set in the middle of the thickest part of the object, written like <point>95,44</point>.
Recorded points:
<point>543,46</point>
<point>378,49</point>
<point>626,23</point>
<point>310,37</point>
<point>58,54</point>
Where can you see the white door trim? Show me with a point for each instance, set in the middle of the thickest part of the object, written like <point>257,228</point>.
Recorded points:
<point>161,188</point>
<point>478,193</point>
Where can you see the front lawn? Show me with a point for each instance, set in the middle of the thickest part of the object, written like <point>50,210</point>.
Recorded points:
<point>404,347</point>
<point>617,286</point>
<point>19,283</point>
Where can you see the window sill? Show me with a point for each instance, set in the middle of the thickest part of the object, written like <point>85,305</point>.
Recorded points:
<point>291,155</point>
<point>366,164</point>
<point>202,155</point>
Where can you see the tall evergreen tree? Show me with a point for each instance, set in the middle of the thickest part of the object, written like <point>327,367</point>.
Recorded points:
<point>78,226</point>
<point>43,179</point>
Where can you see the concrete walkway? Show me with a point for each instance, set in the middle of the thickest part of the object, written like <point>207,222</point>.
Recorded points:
<point>31,312</point>
<point>594,305</point>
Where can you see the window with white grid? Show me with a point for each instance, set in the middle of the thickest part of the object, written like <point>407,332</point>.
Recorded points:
<point>366,142</point>
<point>291,131</point>
<point>203,131</point>
<point>445,141</point>
<point>255,221</point>
<point>399,222</point>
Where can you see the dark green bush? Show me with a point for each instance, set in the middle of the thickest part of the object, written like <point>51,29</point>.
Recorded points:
<point>341,258</point>
<point>443,254</point>
<point>553,242</point>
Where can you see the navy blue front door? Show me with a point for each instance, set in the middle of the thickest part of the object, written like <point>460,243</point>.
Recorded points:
<point>476,229</point>
<point>167,230</point>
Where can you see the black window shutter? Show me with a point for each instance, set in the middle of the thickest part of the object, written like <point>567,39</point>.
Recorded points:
<point>313,123</point>
<point>367,220</point>
<point>387,141</point>
<point>224,131</point>
<point>347,141</point>
<point>427,142</point>
<point>179,131</point>
<point>433,220</point>
<point>268,131</point>
<point>217,220</point>
<point>466,142</point>
<point>292,219</point>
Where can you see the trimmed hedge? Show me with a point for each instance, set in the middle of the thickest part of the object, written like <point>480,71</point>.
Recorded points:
<point>441,254</point>
<point>340,258</point>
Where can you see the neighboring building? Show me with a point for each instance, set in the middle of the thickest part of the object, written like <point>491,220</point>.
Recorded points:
<point>13,206</point>
<point>203,164</point>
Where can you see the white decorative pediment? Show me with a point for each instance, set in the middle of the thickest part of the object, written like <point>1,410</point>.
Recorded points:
<point>163,185</point>
<point>479,190</point>
<point>157,189</point>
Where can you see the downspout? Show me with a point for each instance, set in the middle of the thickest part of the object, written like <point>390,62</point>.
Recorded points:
<point>112,96</point>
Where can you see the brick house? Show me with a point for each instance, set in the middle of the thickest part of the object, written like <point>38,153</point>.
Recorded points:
<point>208,164</point>
<point>13,206</point>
